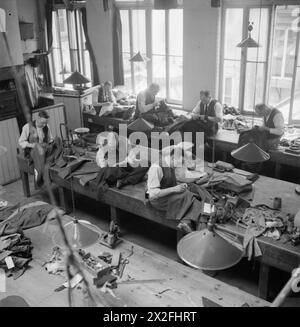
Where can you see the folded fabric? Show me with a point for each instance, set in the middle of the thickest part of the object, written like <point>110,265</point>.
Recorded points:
<point>25,217</point>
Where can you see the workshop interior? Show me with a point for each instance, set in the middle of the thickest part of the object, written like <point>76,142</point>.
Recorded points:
<point>149,153</point>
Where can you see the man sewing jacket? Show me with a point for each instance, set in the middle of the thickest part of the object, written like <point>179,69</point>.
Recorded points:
<point>34,132</point>
<point>209,111</point>
<point>273,123</point>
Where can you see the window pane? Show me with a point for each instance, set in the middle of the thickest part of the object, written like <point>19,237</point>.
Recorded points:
<point>283,59</point>
<point>175,80</point>
<point>127,71</point>
<point>259,33</point>
<point>176,32</point>
<point>254,90</point>
<point>57,66</point>
<point>54,30</point>
<point>158,32</point>
<point>140,76</point>
<point>296,104</point>
<point>125,30</point>
<point>233,33</point>
<point>231,83</point>
<point>139,31</point>
<point>159,73</point>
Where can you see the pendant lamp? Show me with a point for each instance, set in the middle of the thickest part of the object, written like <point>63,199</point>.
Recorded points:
<point>210,249</point>
<point>77,80</point>
<point>248,42</point>
<point>250,153</point>
<point>138,57</point>
<point>80,234</point>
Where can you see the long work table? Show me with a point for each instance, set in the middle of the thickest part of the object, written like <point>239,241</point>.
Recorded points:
<point>131,199</point>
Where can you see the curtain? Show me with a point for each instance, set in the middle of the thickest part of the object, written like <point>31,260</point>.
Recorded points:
<point>89,47</point>
<point>117,48</point>
<point>45,67</point>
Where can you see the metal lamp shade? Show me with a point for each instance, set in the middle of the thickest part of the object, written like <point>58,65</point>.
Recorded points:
<point>208,251</point>
<point>138,57</point>
<point>140,125</point>
<point>248,43</point>
<point>250,153</point>
<point>80,234</point>
<point>76,79</point>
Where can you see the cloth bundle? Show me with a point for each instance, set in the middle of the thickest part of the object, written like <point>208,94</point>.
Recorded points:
<point>18,248</point>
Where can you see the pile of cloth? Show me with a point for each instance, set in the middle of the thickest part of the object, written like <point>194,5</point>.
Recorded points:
<point>15,248</point>
<point>261,221</point>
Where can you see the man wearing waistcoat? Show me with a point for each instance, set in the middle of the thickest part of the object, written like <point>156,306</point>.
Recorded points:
<point>208,111</point>
<point>273,123</point>
<point>146,104</point>
<point>34,132</point>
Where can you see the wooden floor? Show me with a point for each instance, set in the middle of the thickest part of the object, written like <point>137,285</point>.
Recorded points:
<point>179,286</point>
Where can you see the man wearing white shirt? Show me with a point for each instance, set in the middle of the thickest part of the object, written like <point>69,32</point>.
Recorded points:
<point>208,110</point>
<point>35,132</point>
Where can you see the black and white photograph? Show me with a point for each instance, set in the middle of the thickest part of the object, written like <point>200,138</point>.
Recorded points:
<point>149,157</point>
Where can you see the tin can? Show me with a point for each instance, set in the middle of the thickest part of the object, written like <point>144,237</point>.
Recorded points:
<point>277,203</point>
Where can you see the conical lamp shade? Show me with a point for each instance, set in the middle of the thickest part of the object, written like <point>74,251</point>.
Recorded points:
<point>76,78</point>
<point>250,153</point>
<point>208,251</point>
<point>138,57</point>
<point>80,234</point>
<point>140,125</point>
<point>248,43</point>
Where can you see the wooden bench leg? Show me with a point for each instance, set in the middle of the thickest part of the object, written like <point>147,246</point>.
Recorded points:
<point>263,284</point>
<point>25,183</point>
<point>63,199</point>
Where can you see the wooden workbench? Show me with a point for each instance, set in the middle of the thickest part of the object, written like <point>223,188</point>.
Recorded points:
<point>179,285</point>
<point>227,141</point>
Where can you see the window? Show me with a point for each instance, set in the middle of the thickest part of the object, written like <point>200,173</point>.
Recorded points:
<point>157,34</point>
<point>69,53</point>
<point>269,73</point>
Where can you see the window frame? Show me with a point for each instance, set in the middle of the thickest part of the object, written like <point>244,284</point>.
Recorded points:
<point>271,5</point>
<point>79,50</point>
<point>147,5</point>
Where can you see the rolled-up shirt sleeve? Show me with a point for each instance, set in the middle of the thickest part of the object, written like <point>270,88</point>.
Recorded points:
<point>143,107</point>
<point>50,135</point>
<point>279,125</point>
<point>219,111</point>
<point>155,175</point>
<point>23,139</point>
<point>196,109</point>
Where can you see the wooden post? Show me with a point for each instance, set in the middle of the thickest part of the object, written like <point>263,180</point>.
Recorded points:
<point>263,284</point>
<point>25,183</point>
<point>63,199</point>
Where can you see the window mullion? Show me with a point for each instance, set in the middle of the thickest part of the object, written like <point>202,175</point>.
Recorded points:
<point>148,13</point>
<point>271,34</point>
<point>167,34</point>
<point>60,46</point>
<point>294,78</point>
<point>243,60</point>
<point>131,50</point>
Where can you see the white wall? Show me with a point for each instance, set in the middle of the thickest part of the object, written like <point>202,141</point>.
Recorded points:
<point>100,32</point>
<point>200,40</point>
<point>27,12</point>
<point>200,36</point>
<point>13,35</point>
